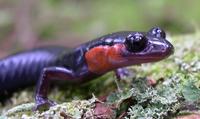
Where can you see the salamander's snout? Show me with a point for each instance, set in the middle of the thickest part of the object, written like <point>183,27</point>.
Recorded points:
<point>159,48</point>
<point>169,48</point>
<point>158,44</point>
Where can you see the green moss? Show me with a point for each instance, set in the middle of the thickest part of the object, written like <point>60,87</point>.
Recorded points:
<point>190,91</point>
<point>74,109</point>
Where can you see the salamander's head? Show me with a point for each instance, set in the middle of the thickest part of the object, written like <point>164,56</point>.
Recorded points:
<point>127,48</point>
<point>143,47</point>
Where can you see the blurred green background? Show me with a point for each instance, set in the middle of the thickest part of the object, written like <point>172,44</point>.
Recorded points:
<point>26,24</point>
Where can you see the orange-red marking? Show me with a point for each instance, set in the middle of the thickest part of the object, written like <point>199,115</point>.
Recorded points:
<point>104,58</point>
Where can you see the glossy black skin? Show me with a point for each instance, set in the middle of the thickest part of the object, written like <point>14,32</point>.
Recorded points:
<point>57,63</point>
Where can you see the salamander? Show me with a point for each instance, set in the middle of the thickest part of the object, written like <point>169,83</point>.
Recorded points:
<point>111,52</point>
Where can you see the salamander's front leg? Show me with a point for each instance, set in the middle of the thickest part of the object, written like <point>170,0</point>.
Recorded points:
<point>50,73</point>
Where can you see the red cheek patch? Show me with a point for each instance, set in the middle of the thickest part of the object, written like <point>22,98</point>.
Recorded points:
<point>101,59</point>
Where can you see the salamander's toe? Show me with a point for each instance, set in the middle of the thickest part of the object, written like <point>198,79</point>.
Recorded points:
<point>43,103</point>
<point>123,73</point>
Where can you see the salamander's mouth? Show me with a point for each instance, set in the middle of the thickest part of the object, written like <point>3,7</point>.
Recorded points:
<point>161,51</point>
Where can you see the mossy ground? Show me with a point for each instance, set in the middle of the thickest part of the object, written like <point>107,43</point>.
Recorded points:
<point>175,90</point>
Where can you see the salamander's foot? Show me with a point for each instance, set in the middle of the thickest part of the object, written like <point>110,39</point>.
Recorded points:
<point>122,73</point>
<point>43,103</point>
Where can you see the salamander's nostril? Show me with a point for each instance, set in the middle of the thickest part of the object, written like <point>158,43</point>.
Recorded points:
<point>169,49</point>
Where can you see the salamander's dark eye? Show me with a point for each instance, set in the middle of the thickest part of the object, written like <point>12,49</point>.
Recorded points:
<point>135,42</point>
<point>158,32</point>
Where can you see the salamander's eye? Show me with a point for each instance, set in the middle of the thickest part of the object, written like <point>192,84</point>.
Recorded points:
<point>135,42</point>
<point>158,32</point>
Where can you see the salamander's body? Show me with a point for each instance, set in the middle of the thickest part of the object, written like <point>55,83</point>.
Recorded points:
<point>81,64</point>
<point>23,69</point>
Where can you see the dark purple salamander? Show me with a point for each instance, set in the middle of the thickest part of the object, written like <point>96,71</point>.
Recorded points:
<point>82,64</point>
